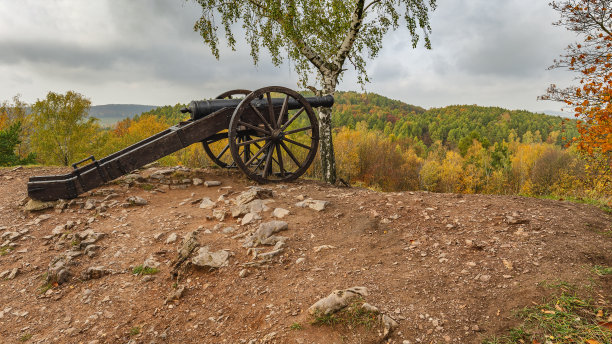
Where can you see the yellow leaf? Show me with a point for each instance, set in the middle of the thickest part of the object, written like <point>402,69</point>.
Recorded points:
<point>548,312</point>
<point>592,341</point>
<point>600,313</point>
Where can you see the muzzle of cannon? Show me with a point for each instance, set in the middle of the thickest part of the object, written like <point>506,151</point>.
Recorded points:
<point>270,134</point>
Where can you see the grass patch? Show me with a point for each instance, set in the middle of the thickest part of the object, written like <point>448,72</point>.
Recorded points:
<point>557,284</point>
<point>135,331</point>
<point>43,288</point>
<point>25,337</point>
<point>146,186</point>
<point>4,250</point>
<point>600,203</point>
<point>144,270</point>
<point>602,270</point>
<point>296,326</point>
<point>352,316</point>
<point>564,319</point>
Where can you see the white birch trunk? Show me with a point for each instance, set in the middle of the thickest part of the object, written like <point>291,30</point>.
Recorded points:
<point>328,159</point>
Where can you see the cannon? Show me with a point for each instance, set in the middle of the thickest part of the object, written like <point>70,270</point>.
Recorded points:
<point>270,134</point>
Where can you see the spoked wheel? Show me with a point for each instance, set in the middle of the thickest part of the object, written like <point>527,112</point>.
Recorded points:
<point>217,146</point>
<point>286,135</point>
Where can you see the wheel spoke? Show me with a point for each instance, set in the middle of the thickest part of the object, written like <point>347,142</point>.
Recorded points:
<point>271,109</point>
<point>252,141</point>
<point>259,162</point>
<point>290,153</point>
<point>297,130</point>
<point>256,128</point>
<point>296,115</point>
<point>268,166</point>
<point>296,143</point>
<point>261,117</point>
<point>284,109</point>
<point>223,151</point>
<point>258,152</point>
<point>280,160</point>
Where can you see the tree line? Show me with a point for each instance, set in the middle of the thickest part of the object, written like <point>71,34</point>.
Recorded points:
<point>380,143</point>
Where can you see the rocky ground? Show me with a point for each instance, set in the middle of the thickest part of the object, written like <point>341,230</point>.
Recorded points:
<point>200,256</point>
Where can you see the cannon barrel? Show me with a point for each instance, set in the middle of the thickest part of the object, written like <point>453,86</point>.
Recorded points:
<point>203,108</point>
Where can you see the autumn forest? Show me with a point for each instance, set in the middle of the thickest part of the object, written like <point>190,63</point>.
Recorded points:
<point>380,143</point>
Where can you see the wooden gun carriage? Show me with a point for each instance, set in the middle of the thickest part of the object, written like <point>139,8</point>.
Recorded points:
<point>271,134</point>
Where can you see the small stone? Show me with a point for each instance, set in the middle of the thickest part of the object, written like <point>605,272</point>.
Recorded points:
<point>207,203</point>
<point>210,183</point>
<point>264,236</point>
<point>94,272</point>
<point>300,260</point>
<point>313,204</point>
<point>197,181</point>
<point>205,258</point>
<point>90,204</point>
<point>176,294</point>
<point>485,278</point>
<point>12,273</point>
<point>280,213</point>
<point>337,300</point>
<point>323,247</point>
<point>150,262</point>
<point>171,238</point>
<point>243,273</point>
<point>252,194</point>
<point>219,214</point>
<point>136,200</point>
<point>250,217</point>
<point>239,210</point>
<point>42,218</point>
<point>228,230</point>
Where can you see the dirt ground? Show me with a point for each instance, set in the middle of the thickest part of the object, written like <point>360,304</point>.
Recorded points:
<point>448,268</point>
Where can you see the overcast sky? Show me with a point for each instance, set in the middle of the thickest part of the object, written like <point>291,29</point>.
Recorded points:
<point>485,52</point>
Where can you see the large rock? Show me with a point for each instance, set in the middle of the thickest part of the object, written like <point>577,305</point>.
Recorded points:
<point>263,235</point>
<point>34,205</point>
<point>207,259</point>
<point>252,194</point>
<point>337,300</point>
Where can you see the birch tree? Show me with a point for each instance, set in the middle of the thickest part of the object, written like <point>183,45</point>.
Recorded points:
<point>317,37</point>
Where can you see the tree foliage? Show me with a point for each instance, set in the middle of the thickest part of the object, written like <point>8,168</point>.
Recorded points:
<point>17,112</point>
<point>9,140</point>
<point>63,130</point>
<point>591,58</point>
<point>317,37</point>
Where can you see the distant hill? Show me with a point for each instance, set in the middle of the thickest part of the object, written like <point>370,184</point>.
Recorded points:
<point>449,124</point>
<point>111,113</point>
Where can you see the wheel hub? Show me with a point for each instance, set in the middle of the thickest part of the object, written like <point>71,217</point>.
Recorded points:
<point>277,135</point>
